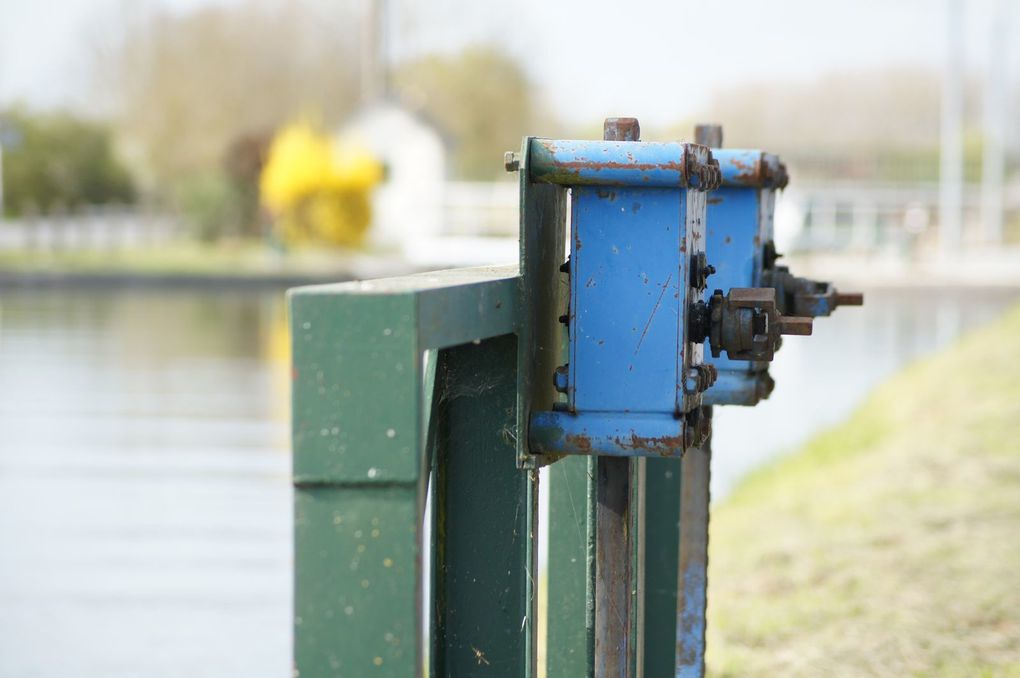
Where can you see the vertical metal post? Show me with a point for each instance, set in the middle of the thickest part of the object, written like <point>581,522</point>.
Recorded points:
<point>483,614</point>
<point>570,639</point>
<point>374,52</point>
<point>993,153</point>
<point>951,146</point>
<point>692,570</point>
<point>692,586</point>
<point>708,135</point>
<point>358,486</point>
<point>613,573</point>
<point>614,545</point>
<point>570,602</point>
<point>662,549</point>
<point>359,462</point>
<point>1,177</point>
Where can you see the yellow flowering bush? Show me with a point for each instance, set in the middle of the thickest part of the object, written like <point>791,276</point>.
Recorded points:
<point>318,189</point>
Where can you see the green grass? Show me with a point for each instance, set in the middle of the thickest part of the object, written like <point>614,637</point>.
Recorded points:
<point>184,258</point>
<point>889,546</point>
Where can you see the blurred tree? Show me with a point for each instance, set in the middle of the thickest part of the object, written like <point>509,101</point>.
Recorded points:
<point>210,202</point>
<point>56,160</point>
<point>243,162</point>
<point>481,99</point>
<point>877,125</point>
<point>185,86</point>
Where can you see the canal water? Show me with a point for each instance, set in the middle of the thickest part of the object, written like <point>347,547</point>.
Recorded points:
<point>144,497</point>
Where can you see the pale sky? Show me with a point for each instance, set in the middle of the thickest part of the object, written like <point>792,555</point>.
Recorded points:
<point>656,59</point>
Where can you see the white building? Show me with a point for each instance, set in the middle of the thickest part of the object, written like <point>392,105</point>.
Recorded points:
<point>408,205</point>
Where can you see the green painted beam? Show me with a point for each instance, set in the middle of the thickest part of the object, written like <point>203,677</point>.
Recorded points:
<point>359,464</point>
<point>570,639</point>
<point>484,513</point>
<point>662,549</point>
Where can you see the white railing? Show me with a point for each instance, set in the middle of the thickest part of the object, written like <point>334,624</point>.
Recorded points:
<point>864,218</point>
<point>834,217</point>
<point>100,228</point>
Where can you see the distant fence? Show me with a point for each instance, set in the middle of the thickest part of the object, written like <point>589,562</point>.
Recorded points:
<point>856,217</point>
<point>875,217</point>
<point>100,228</point>
<point>481,208</point>
<point>859,217</point>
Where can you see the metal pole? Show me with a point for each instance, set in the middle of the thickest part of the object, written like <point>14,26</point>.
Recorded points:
<point>692,573</point>
<point>1,182</point>
<point>993,154</point>
<point>692,584</point>
<point>708,135</point>
<point>951,148</point>
<point>614,548</point>
<point>374,72</point>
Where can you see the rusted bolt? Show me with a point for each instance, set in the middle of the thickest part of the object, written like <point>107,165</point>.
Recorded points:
<point>560,378</point>
<point>697,427</point>
<point>699,378</point>
<point>621,129</point>
<point>763,385</point>
<point>700,270</point>
<point>769,255</point>
<point>795,325</point>
<point>511,161</point>
<point>849,299</point>
<point>708,135</point>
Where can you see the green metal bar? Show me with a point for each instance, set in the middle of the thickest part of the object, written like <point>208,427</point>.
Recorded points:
<point>638,490</point>
<point>570,641</point>
<point>544,292</point>
<point>676,562</point>
<point>359,467</point>
<point>483,519</point>
<point>662,548</point>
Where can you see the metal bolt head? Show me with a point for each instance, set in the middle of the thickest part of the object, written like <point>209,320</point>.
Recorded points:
<point>621,129</point>
<point>849,299</point>
<point>511,161</point>
<point>708,135</point>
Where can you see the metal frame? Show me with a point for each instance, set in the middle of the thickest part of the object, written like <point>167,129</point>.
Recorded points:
<point>360,417</point>
<point>447,383</point>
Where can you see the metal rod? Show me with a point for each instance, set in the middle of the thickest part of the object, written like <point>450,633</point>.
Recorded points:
<point>612,568</point>
<point>613,531</point>
<point>996,90</point>
<point>692,587</point>
<point>708,135</point>
<point>951,146</point>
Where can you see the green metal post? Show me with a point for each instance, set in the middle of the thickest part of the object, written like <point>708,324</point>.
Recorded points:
<point>570,640</point>
<point>359,463</point>
<point>676,562</point>
<point>484,513</point>
<point>662,549</point>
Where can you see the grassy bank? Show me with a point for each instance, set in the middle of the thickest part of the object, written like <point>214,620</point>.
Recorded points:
<point>192,259</point>
<point>889,546</point>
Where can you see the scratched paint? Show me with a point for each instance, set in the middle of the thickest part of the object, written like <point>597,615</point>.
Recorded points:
<point>625,301</point>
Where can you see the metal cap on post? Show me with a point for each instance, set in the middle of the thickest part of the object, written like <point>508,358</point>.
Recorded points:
<point>621,129</point>
<point>708,135</point>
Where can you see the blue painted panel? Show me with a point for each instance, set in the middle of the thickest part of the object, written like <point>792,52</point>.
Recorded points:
<point>628,290</point>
